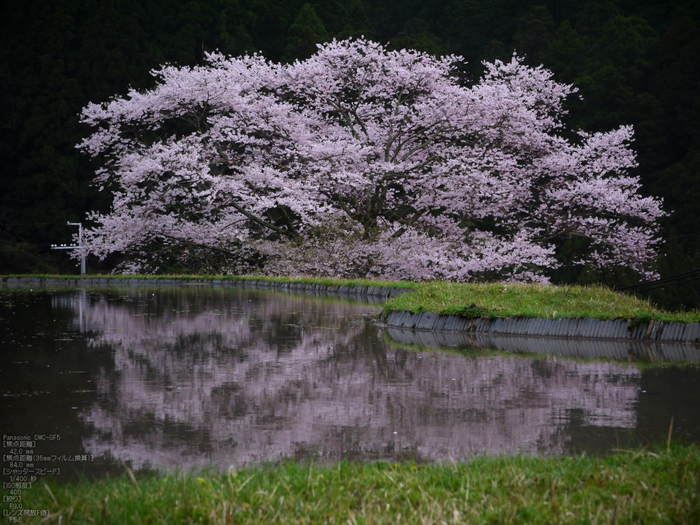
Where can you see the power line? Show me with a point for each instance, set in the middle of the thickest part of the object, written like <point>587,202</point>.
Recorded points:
<point>31,223</point>
<point>672,280</point>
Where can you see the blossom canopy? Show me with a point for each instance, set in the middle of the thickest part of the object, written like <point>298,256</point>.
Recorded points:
<point>362,162</point>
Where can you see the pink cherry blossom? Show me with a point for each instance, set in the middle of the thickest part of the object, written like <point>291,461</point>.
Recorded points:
<point>361,161</point>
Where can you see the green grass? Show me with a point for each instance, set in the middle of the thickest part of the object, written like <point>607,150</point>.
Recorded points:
<point>640,486</point>
<point>530,300</point>
<point>480,300</point>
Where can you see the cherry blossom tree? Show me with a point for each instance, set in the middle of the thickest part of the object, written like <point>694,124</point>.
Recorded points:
<point>361,161</point>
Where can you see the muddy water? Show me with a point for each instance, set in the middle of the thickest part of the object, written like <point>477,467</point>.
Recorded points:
<point>196,378</point>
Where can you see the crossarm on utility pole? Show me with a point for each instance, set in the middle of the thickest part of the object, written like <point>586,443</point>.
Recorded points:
<point>79,247</point>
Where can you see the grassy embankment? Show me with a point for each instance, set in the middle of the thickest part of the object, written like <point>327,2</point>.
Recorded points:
<point>628,487</point>
<point>541,301</point>
<point>485,300</point>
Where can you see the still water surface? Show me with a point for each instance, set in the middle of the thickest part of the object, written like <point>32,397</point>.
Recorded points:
<point>204,377</point>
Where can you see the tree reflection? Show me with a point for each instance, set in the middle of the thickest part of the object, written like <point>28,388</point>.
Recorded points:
<point>212,377</point>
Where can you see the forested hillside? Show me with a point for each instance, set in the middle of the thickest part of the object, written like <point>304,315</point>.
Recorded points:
<point>634,63</point>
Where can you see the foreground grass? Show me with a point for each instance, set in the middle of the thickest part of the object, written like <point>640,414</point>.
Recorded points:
<point>481,300</point>
<point>629,487</point>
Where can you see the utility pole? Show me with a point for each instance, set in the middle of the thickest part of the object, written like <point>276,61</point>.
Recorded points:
<point>79,247</point>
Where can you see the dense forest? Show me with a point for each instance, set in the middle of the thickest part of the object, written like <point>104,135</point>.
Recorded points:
<point>634,63</point>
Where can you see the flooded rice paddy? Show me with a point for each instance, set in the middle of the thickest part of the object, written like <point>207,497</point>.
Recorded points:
<point>199,377</point>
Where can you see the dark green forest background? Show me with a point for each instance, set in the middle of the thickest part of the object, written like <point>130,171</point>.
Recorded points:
<point>635,62</point>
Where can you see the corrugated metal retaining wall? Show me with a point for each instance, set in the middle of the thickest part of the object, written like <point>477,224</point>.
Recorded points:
<point>569,328</point>
<point>379,292</point>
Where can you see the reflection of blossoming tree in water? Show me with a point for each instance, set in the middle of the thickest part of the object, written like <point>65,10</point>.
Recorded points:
<point>233,378</point>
